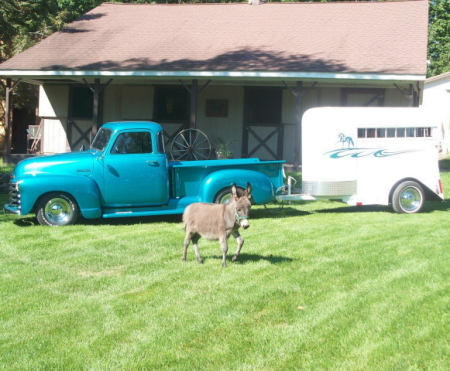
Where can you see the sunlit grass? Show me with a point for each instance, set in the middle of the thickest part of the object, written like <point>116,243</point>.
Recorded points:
<point>318,286</point>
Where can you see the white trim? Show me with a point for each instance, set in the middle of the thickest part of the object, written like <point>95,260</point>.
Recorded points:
<point>215,74</point>
<point>437,78</point>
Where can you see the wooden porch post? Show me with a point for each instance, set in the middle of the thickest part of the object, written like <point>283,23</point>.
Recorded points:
<point>194,95</point>
<point>298,126</point>
<point>97,89</point>
<point>9,87</point>
<point>7,117</point>
<point>95,122</point>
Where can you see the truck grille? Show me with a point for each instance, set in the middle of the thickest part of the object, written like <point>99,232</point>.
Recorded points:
<point>14,196</point>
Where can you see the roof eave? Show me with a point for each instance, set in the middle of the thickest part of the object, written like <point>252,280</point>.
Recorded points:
<point>267,75</point>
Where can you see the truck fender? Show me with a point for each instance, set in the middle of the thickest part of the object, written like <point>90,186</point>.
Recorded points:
<point>83,189</point>
<point>262,188</point>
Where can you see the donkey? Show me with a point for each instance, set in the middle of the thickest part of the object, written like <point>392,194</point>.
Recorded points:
<point>217,222</point>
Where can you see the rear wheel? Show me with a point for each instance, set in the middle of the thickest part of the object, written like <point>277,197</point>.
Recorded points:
<point>408,198</point>
<point>225,196</point>
<point>57,209</point>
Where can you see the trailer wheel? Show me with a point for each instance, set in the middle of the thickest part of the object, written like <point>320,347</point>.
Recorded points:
<point>224,196</point>
<point>408,198</point>
<point>57,209</point>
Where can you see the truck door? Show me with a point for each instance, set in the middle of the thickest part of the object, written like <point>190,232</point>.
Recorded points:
<point>135,173</point>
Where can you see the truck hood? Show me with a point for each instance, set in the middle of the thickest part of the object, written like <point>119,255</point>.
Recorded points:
<point>72,163</point>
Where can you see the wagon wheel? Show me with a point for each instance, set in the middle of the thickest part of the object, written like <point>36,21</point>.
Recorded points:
<point>190,144</point>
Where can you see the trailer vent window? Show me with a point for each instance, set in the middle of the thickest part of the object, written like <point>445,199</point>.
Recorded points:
<point>394,132</point>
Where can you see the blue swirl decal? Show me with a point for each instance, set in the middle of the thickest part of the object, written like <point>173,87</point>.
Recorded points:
<point>363,152</point>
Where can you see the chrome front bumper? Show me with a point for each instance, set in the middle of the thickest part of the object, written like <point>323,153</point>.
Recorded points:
<point>13,206</point>
<point>7,208</point>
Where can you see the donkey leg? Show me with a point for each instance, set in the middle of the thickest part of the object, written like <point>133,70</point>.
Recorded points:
<point>224,245</point>
<point>240,242</point>
<point>195,239</point>
<point>187,239</point>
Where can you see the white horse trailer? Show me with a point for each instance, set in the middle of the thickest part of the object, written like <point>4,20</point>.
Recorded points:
<point>370,156</point>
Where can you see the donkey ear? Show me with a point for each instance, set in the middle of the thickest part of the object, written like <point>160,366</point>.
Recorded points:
<point>234,191</point>
<point>248,191</point>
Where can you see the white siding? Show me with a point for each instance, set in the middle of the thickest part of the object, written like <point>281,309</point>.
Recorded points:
<point>53,101</point>
<point>137,103</point>
<point>436,95</point>
<point>112,103</point>
<point>54,139</point>
<point>224,128</point>
<point>309,100</point>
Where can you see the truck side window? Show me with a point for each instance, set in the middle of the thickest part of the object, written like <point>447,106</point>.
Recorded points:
<point>161,146</point>
<point>127,143</point>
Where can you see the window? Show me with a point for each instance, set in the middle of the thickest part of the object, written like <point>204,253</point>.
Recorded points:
<point>381,133</point>
<point>128,143</point>
<point>161,145</point>
<point>394,132</point>
<point>81,105</point>
<point>171,104</point>
<point>101,139</point>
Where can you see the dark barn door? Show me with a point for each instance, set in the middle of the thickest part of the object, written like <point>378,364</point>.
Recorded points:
<point>263,131</point>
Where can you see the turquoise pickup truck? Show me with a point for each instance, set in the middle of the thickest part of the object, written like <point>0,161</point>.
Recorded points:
<point>127,173</point>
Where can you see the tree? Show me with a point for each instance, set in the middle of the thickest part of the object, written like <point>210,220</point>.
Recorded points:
<point>439,37</point>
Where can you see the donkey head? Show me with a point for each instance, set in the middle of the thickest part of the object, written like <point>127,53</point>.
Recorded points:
<point>242,205</point>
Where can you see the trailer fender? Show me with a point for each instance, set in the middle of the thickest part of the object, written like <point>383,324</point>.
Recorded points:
<point>83,189</point>
<point>430,195</point>
<point>262,188</point>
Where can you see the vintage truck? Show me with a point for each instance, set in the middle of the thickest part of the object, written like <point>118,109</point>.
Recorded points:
<point>125,173</point>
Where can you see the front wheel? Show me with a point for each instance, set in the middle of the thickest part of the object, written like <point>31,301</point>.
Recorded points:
<point>408,198</point>
<point>57,209</point>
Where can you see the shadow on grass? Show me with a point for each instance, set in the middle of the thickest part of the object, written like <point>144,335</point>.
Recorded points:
<point>277,212</point>
<point>254,258</point>
<point>26,222</point>
<point>428,207</point>
<point>32,221</point>
<point>132,220</point>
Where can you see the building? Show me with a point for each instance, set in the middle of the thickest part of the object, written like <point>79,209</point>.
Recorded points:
<point>436,96</point>
<point>238,72</point>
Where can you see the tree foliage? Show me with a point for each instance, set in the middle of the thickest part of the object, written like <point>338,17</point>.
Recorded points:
<point>439,37</point>
<point>24,23</point>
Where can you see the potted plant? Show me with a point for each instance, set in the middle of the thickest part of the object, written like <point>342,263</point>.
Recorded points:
<point>223,149</point>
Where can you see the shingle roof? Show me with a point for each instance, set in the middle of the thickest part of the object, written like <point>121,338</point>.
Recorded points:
<point>351,37</point>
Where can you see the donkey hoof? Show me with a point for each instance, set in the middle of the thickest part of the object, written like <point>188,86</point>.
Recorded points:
<point>200,261</point>
<point>234,259</point>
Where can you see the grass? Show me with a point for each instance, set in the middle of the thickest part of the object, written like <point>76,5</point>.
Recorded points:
<point>318,286</point>
<point>5,168</point>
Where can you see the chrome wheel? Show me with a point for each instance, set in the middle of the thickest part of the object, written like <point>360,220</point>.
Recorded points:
<point>57,210</point>
<point>408,198</point>
<point>225,196</point>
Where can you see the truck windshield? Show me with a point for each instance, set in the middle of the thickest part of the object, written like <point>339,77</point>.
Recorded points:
<point>101,139</point>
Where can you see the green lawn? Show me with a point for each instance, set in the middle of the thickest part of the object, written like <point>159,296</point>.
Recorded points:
<point>318,286</point>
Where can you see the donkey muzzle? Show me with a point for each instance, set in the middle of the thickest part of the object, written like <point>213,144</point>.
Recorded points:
<point>244,223</point>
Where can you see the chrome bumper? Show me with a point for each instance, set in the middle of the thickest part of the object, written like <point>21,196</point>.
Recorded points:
<point>11,209</point>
